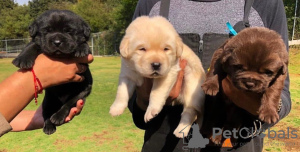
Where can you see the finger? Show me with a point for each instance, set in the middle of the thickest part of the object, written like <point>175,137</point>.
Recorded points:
<point>85,59</point>
<point>75,110</point>
<point>182,63</point>
<point>79,106</point>
<point>81,68</point>
<point>77,78</point>
<point>71,115</point>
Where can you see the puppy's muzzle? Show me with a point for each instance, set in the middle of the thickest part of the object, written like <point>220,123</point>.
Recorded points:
<point>57,43</point>
<point>252,85</point>
<point>155,66</point>
<point>249,85</point>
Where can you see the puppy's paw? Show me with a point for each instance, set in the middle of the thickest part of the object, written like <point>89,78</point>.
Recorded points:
<point>210,87</point>
<point>81,53</point>
<point>217,140</point>
<point>59,117</point>
<point>49,128</point>
<point>268,115</point>
<point>151,113</point>
<point>117,109</point>
<point>23,63</point>
<point>182,130</point>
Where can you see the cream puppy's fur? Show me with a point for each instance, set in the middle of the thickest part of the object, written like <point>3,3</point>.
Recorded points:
<point>152,48</point>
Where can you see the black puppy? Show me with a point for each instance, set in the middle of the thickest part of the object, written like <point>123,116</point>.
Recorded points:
<point>62,34</point>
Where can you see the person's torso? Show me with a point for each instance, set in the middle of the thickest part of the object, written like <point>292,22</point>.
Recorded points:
<point>204,17</point>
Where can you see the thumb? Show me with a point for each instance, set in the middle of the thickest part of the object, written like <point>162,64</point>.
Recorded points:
<point>77,78</point>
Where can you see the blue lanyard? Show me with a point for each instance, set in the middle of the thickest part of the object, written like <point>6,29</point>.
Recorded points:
<point>232,31</point>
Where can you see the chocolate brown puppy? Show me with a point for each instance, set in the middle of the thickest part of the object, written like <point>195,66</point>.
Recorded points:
<point>256,61</point>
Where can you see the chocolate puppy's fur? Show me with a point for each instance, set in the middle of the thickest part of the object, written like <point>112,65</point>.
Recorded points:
<point>61,34</point>
<point>255,61</point>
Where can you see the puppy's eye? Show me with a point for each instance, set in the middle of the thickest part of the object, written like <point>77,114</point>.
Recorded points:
<point>239,67</point>
<point>67,30</point>
<point>49,29</point>
<point>142,49</point>
<point>166,49</point>
<point>269,73</point>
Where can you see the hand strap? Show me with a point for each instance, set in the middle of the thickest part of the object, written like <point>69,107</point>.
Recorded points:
<point>247,8</point>
<point>38,88</point>
<point>164,8</point>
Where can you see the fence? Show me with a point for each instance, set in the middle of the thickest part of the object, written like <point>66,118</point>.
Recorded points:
<point>101,44</point>
<point>12,47</point>
<point>105,43</point>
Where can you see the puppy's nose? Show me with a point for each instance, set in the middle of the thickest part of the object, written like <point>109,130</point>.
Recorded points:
<point>250,85</point>
<point>155,65</point>
<point>57,42</point>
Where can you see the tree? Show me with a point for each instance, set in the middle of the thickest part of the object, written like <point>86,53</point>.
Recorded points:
<point>122,17</point>
<point>95,13</point>
<point>14,22</point>
<point>63,5</point>
<point>37,7</point>
<point>123,14</point>
<point>290,14</point>
<point>6,4</point>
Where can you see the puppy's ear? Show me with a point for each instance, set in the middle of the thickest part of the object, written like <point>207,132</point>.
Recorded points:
<point>225,55</point>
<point>86,30</point>
<point>179,46</point>
<point>124,47</point>
<point>283,69</point>
<point>285,61</point>
<point>33,29</point>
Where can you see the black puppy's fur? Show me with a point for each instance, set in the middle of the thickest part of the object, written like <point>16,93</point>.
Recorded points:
<point>61,34</point>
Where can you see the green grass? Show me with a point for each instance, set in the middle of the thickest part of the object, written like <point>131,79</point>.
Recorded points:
<point>93,130</point>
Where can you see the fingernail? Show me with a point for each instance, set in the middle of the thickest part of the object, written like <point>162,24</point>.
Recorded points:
<point>67,119</point>
<point>75,111</point>
<point>81,103</point>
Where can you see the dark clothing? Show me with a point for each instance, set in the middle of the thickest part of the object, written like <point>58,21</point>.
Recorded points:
<point>205,17</point>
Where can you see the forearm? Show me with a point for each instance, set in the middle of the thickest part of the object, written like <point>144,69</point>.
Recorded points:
<point>28,120</point>
<point>16,92</point>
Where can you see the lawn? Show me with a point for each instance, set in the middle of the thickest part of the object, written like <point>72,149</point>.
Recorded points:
<point>96,130</point>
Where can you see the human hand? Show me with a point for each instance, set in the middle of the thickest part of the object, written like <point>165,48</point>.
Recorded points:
<point>55,71</point>
<point>242,98</point>
<point>143,92</point>
<point>30,120</point>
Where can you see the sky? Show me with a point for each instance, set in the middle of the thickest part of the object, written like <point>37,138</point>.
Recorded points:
<point>21,2</point>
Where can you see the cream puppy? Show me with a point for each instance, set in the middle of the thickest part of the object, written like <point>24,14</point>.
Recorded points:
<point>152,48</point>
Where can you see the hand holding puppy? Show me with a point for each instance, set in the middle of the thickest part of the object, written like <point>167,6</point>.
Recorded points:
<point>47,69</point>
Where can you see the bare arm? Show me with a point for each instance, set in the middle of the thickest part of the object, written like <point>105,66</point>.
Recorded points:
<point>33,119</point>
<point>18,89</point>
